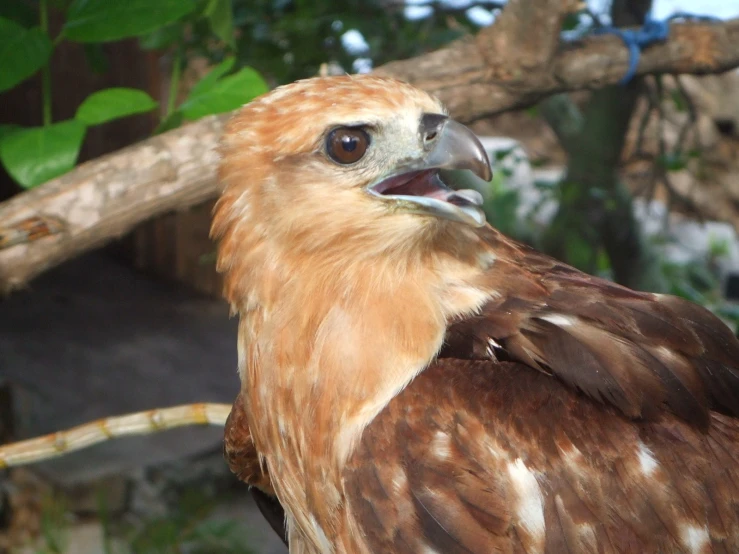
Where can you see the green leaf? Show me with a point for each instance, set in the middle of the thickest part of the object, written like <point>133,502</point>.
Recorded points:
<point>19,11</point>
<point>96,58</point>
<point>500,155</point>
<point>718,247</point>
<point>172,121</point>
<point>107,20</point>
<point>673,162</point>
<point>571,22</point>
<point>729,311</point>
<point>532,112</point>
<point>225,95</point>
<point>500,209</point>
<point>701,277</point>
<point>685,290</point>
<point>113,103</point>
<point>220,17</point>
<point>678,100</point>
<point>34,155</point>
<point>206,83</point>
<point>61,5</point>
<point>6,129</point>
<point>22,52</point>
<point>603,261</point>
<point>163,37</point>
<point>578,251</point>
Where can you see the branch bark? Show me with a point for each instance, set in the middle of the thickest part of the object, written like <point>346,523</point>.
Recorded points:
<point>510,51</point>
<point>105,198</point>
<point>459,76</point>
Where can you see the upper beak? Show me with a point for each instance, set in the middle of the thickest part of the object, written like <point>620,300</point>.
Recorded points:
<point>417,187</point>
<point>451,145</point>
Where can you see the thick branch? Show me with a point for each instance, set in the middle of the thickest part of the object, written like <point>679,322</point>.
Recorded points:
<point>510,49</point>
<point>105,198</point>
<point>459,75</point>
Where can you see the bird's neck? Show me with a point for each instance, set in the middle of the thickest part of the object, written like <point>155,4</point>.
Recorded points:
<point>325,344</point>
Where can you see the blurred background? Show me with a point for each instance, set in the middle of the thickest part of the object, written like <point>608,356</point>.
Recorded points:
<point>637,182</point>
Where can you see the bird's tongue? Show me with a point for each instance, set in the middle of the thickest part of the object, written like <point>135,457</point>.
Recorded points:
<point>427,183</point>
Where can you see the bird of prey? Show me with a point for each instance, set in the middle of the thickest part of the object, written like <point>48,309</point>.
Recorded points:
<point>413,381</point>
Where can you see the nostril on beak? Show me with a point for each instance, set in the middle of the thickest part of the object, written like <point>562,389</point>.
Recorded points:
<point>430,127</point>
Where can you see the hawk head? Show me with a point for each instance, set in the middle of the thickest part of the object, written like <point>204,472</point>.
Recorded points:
<point>355,157</point>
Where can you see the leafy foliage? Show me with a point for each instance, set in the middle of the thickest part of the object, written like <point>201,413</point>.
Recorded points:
<point>283,40</point>
<point>54,526</point>
<point>22,52</point>
<point>33,155</point>
<point>189,527</point>
<point>36,154</point>
<point>216,94</point>
<point>108,20</point>
<point>698,281</point>
<point>113,103</point>
<point>288,40</point>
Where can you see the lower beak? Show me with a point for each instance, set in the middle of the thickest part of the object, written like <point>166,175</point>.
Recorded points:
<point>416,185</point>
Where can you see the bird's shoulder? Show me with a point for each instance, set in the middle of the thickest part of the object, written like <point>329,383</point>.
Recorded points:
<point>483,456</point>
<point>639,352</point>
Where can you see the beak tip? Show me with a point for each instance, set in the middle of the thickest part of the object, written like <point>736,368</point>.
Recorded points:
<point>487,172</point>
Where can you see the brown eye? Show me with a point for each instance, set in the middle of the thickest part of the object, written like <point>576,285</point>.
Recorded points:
<point>347,145</point>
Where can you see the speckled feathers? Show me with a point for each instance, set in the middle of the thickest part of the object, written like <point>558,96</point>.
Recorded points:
<point>411,384</point>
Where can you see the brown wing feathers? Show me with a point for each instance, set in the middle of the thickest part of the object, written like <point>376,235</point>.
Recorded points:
<point>241,456</point>
<point>639,352</point>
<point>506,460</point>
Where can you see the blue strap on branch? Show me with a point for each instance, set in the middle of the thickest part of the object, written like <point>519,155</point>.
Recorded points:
<point>650,32</point>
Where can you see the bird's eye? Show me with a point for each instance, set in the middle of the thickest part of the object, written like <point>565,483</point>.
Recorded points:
<point>347,145</point>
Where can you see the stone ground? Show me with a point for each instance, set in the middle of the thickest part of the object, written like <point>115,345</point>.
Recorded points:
<point>94,338</point>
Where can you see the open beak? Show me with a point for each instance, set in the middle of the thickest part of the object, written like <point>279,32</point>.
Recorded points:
<point>416,185</point>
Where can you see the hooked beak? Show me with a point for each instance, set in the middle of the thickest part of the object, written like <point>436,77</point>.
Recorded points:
<point>416,185</point>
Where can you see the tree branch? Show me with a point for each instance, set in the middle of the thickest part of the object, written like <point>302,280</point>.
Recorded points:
<point>105,198</point>
<point>510,50</point>
<point>461,78</point>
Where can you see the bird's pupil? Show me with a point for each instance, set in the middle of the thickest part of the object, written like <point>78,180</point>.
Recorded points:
<point>346,145</point>
<point>349,144</point>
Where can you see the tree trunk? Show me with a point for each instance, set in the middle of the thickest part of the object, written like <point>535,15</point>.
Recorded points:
<point>595,212</point>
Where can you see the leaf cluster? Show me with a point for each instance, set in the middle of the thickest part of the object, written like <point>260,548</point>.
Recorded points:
<point>282,40</point>
<point>290,39</point>
<point>33,155</point>
<point>189,527</point>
